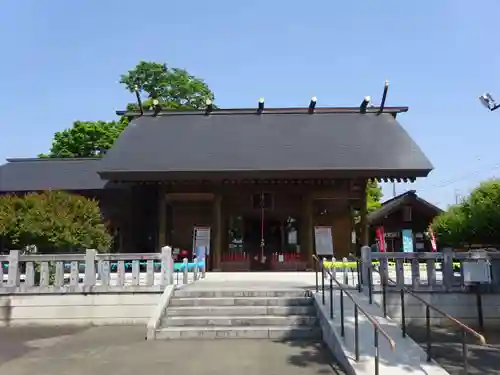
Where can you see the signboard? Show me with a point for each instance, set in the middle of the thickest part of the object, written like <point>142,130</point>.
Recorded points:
<point>323,240</point>
<point>381,239</point>
<point>476,271</point>
<point>407,240</point>
<point>201,238</point>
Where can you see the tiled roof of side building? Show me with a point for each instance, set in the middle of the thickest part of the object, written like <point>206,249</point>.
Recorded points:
<point>399,201</point>
<point>242,141</point>
<point>19,175</point>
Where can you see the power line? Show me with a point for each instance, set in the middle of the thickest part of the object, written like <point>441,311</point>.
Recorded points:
<point>473,173</point>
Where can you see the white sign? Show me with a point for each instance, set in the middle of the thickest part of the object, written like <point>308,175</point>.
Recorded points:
<point>201,237</point>
<point>281,258</point>
<point>323,240</point>
<point>476,272</point>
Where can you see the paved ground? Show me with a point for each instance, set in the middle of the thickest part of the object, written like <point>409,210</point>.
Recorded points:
<point>123,350</point>
<point>447,351</point>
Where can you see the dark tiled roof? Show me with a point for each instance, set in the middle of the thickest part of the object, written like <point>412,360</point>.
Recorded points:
<point>399,201</point>
<point>46,174</point>
<point>268,142</point>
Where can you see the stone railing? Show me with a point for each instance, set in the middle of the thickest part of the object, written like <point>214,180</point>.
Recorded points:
<point>434,271</point>
<point>94,273</point>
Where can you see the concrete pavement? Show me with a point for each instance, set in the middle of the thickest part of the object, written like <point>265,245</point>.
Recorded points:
<point>448,352</point>
<point>123,350</point>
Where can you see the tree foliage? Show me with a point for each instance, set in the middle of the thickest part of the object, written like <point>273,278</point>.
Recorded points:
<point>53,221</point>
<point>476,220</point>
<point>173,88</point>
<point>86,139</point>
<point>373,196</point>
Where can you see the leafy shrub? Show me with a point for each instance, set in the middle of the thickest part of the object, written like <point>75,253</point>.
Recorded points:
<point>53,221</point>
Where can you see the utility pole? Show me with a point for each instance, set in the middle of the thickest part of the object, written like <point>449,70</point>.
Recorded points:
<point>393,189</point>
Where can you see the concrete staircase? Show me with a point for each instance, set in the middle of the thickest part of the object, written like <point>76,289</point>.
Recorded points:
<point>263,314</point>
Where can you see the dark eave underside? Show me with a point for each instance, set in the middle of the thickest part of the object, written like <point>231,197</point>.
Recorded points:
<point>221,176</point>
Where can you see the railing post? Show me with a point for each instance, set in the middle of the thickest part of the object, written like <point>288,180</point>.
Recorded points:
<point>342,327</point>
<point>322,282</point>
<point>195,269</point>
<point>377,352</point>
<point>185,272</point>
<point>14,278</point>
<point>428,332</point>
<point>331,298</point>
<point>356,332</point>
<point>167,266</point>
<point>383,268</point>
<point>403,317</point>
<point>358,271</point>
<point>465,351</point>
<point>90,272</point>
<point>316,265</point>
<point>447,268</point>
<point>366,265</point>
<point>345,270</point>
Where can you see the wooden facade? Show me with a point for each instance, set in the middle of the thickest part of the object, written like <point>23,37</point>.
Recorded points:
<point>146,217</point>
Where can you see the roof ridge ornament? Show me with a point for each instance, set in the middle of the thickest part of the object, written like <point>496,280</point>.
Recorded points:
<point>260,107</point>
<point>312,104</point>
<point>384,97</point>
<point>364,104</point>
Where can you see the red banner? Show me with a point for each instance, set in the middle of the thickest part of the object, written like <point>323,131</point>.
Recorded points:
<point>381,239</point>
<point>433,240</point>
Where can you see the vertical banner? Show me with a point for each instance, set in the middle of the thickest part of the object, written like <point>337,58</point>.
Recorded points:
<point>201,238</point>
<point>407,240</point>
<point>381,239</point>
<point>433,240</point>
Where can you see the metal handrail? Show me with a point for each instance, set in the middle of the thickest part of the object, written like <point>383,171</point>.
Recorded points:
<point>428,307</point>
<point>357,308</point>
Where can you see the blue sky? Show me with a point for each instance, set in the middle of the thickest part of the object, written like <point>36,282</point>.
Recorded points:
<point>62,60</point>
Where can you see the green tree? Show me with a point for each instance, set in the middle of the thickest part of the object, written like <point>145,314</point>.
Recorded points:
<point>452,227</point>
<point>475,220</point>
<point>85,139</point>
<point>373,196</point>
<point>173,88</point>
<point>53,221</point>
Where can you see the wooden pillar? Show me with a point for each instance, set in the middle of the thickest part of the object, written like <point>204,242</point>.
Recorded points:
<point>307,238</point>
<point>363,224</point>
<point>217,239</point>
<point>162,217</point>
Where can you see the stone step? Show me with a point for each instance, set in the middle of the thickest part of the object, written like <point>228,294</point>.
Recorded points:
<point>225,293</point>
<point>239,310</point>
<point>241,301</point>
<point>238,321</point>
<point>256,332</point>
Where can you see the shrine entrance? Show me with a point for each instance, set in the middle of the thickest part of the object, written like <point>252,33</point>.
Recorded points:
<point>263,238</point>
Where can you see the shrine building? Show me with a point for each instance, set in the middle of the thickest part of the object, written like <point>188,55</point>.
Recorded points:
<point>261,182</point>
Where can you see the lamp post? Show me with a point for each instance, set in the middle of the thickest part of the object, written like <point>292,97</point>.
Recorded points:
<point>488,101</point>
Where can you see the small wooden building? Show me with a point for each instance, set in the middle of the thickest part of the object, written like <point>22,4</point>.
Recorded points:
<point>260,180</point>
<point>406,212</point>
